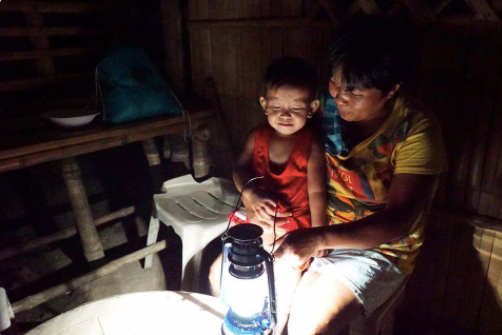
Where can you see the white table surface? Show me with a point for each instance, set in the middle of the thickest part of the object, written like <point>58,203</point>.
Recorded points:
<point>158,312</point>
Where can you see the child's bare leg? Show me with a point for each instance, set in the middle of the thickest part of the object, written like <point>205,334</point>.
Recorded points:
<point>214,276</point>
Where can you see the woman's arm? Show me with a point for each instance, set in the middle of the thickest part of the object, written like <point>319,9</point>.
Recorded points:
<point>407,198</point>
<point>316,176</point>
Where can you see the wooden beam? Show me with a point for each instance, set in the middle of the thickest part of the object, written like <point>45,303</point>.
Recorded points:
<point>36,54</point>
<point>353,10</point>
<point>482,10</point>
<point>316,9</point>
<point>51,7</point>
<point>420,10</point>
<point>257,23</point>
<point>395,9</point>
<point>27,84</point>
<point>50,144</point>
<point>54,31</point>
<point>61,235</point>
<point>333,13</point>
<point>497,5</point>
<point>53,292</point>
<point>79,149</point>
<point>369,7</point>
<point>440,6</point>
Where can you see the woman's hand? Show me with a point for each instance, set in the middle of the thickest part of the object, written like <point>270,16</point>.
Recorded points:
<point>322,253</point>
<point>298,246</point>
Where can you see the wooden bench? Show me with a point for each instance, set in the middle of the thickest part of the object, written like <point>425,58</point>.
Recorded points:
<point>44,143</point>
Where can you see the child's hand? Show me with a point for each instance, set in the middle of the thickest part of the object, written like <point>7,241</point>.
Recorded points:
<point>264,208</point>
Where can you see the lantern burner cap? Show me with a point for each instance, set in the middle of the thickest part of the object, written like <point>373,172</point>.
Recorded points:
<point>245,232</point>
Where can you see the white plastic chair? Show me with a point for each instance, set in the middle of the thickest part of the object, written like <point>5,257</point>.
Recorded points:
<point>198,213</point>
<point>6,314</point>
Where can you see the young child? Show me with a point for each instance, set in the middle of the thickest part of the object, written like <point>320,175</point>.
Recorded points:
<point>288,155</point>
<point>286,152</point>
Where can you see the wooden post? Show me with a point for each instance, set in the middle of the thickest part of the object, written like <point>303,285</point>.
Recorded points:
<point>93,249</point>
<point>173,44</point>
<point>60,235</point>
<point>153,157</point>
<point>200,155</point>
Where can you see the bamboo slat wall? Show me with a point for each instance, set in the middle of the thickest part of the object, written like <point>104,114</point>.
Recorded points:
<point>458,282</point>
<point>46,49</point>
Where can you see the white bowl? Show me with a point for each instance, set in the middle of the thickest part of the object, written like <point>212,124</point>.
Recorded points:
<point>71,118</point>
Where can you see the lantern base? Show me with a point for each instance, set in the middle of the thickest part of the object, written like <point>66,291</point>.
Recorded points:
<point>226,331</point>
<point>235,325</point>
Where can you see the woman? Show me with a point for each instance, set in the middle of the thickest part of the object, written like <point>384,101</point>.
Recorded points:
<point>384,152</point>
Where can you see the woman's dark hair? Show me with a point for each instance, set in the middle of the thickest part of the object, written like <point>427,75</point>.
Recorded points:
<point>290,71</point>
<point>373,53</point>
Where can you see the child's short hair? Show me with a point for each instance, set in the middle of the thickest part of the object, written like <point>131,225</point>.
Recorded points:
<point>373,53</point>
<point>290,71</point>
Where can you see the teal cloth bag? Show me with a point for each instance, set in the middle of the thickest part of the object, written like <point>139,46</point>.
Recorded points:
<point>132,87</point>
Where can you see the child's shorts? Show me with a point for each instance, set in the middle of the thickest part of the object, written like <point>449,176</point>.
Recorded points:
<point>372,277</point>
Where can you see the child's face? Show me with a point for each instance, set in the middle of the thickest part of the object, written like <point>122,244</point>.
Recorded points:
<point>288,108</point>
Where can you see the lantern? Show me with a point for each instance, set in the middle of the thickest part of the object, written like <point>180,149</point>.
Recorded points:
<point>247,282</point>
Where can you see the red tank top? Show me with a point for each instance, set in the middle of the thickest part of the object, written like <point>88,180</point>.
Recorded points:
<point>291,185</point>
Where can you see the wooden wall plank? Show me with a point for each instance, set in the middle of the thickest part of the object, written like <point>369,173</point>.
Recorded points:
<point>296,8</point>
<point>51,7</point>
<point>461,260</point>
<point>252,68</point>
<point>462,140</point>
<point>369,7</point>
<point>487,84</point>
<point>54,31</point>
<point>27,84</point>
<point>482,10</point>
<point>474,282</point>
<point>420,10</point>
<point>497,5</point>
<point>491,198</point>
<point>440,6</point>
<point>37,54</point>
<point>45,65</point>
<point>445,236</point>
<point>174,53</point>
<point>192,10</point>
<point>425,289</point>
<point>490,321</point>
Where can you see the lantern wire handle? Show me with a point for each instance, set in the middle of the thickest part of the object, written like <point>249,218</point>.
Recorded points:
<point>225,234</point>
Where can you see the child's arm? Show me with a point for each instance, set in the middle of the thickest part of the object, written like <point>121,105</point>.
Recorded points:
<point>258,204</point>
<point>316,176</point>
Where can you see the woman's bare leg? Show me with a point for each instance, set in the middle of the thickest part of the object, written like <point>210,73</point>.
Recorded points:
<point>322,305</point>
<point>286,282</point>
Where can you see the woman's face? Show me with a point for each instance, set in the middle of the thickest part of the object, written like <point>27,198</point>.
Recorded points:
<point>361,104</point>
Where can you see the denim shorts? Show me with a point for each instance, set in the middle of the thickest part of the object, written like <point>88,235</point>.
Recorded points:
<point>372,277</point>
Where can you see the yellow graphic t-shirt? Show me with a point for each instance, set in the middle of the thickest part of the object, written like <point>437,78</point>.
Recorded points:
<point>408,142</point>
